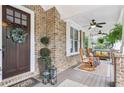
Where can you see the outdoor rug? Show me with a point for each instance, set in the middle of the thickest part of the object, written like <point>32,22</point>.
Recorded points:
<point>71,83</point>
<point>87,67</point>
<point>26,83</point>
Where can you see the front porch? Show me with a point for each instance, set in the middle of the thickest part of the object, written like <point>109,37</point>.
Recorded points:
<point>67,47</point>
<point>72,77</point>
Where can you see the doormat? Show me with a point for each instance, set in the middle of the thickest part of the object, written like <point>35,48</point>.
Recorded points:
<point>26,83</point>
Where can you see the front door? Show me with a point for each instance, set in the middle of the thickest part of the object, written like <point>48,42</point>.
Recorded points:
<point>16,56</point>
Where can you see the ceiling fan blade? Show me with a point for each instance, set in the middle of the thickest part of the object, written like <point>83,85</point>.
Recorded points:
<point>101,23</point>
<point>89,28</point>
<point>104,33</point>
<point>99,26</point>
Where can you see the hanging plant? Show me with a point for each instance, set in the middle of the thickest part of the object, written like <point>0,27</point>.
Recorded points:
<point>115,35</point>
<point>44,40</point>
<point>17,35</point>
<point>101,40</point>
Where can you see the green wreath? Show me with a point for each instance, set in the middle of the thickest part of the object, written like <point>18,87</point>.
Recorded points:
<point>17,35</point>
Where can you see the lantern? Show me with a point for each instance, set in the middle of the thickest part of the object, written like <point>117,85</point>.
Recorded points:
<point>53,75</point>
<point>46,77</point>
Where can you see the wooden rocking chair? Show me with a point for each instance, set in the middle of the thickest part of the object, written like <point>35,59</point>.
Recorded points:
<point>86,60</point>
<point>82,56</point>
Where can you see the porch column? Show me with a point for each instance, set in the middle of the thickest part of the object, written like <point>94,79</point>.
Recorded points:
<point>0,42</point>
<point>121,21</point>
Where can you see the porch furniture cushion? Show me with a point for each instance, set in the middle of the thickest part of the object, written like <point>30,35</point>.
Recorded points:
<point>104,54</point>
<point>98,53</point>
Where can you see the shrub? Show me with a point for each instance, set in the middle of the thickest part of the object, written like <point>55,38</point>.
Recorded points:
<point>44,52</point>
<point>44,40</point>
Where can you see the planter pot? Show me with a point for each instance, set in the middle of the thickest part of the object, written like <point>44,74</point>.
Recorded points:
<point>41,66</point>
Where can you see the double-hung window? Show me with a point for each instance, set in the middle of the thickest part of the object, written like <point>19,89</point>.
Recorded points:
<point>74,40</point>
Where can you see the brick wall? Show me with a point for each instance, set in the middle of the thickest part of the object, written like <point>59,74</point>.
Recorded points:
<point>119,70</point>
<point>56,31</point>
<point>40,27</point>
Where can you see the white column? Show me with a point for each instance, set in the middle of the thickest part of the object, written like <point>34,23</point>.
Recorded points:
<point>0,42</point>
<point>121,21</point>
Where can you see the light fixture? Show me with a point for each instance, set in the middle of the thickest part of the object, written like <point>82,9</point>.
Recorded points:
<point>93,26</point>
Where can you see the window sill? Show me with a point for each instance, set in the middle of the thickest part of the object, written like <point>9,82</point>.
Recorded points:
<point>72,54</point>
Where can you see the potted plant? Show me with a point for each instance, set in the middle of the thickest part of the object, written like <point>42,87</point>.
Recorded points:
<point>114,35</point>
<point>100,40</point>
<point>45,60</point>
<point>45,40</point>
<point>45,57</point>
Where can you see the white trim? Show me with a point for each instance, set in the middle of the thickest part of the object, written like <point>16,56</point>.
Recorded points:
<point>70,23</point>
<point>1,42</point>
<point>32,40</point>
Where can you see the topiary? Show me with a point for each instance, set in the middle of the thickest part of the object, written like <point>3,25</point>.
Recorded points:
<point>44,52</point>
<point>44,40</point>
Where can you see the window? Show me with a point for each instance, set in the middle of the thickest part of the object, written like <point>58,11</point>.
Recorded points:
<point>16,17</point>
<point>74,40</point>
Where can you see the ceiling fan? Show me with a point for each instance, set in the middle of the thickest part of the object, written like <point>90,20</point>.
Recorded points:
<point>94,24</point>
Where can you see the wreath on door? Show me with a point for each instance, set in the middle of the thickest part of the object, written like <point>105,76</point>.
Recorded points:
<point>17,35</point>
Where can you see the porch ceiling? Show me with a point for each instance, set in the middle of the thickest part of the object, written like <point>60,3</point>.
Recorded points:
<point>83,14</point>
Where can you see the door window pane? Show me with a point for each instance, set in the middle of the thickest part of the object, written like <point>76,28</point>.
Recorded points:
<point>24,17</point>
<point>17,14</point>
<point>9,12</point>
<point>17,20</point>
<point>24,22</point>
<point>10,18</point>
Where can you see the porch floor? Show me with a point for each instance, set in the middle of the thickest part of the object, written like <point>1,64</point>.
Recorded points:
<point>100,78</point>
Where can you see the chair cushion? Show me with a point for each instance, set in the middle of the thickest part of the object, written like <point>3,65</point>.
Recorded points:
<point>98,53</point>
<point>105,54</point>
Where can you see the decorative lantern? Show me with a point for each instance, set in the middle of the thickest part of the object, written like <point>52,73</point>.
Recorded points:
<point>53,75</point>
<point>46,77</point>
